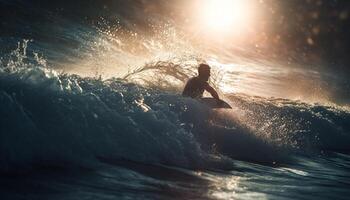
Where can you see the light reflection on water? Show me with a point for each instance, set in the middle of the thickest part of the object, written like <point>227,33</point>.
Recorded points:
<point>114,53</point>
<point>272,81</point>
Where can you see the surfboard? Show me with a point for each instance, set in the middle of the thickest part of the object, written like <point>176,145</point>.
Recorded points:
<point>212,103</point>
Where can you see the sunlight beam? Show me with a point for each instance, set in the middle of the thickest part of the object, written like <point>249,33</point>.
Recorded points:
<point>225,15</point>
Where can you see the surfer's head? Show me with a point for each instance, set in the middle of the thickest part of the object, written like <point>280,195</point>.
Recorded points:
<point>204,71</point>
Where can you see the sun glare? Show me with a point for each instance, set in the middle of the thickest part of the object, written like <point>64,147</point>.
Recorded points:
<point>225,15</point>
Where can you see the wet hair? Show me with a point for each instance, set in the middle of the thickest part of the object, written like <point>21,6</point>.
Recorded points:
<point>203,67</point>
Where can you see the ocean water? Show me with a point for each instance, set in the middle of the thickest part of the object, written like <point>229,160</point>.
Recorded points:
<point>92,110</point>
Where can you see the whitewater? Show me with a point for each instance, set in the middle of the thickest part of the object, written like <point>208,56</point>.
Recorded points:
<point>103,117</point>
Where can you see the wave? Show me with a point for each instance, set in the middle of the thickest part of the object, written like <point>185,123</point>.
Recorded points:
<point>50,118</point>
<point>74,119</point>
<point>296,124</point>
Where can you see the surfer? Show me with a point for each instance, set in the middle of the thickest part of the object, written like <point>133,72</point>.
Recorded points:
<point>195,86</point>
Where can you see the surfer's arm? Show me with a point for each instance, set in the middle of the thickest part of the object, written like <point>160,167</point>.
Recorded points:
<point>212,91</point>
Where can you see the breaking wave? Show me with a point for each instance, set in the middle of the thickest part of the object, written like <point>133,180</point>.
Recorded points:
<point>51,118</point>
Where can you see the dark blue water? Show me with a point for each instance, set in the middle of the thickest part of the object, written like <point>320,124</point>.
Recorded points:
<point>91,109</point>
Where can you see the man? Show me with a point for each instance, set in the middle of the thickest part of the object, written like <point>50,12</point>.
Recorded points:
<point>195,86</point>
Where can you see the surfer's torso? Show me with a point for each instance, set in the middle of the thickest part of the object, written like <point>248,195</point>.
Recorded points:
<point>195,87</point>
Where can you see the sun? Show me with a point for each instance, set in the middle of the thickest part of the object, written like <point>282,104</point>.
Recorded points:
<point>225,15</point>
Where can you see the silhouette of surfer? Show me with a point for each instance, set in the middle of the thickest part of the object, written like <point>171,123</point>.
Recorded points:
<point>196,86</point>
